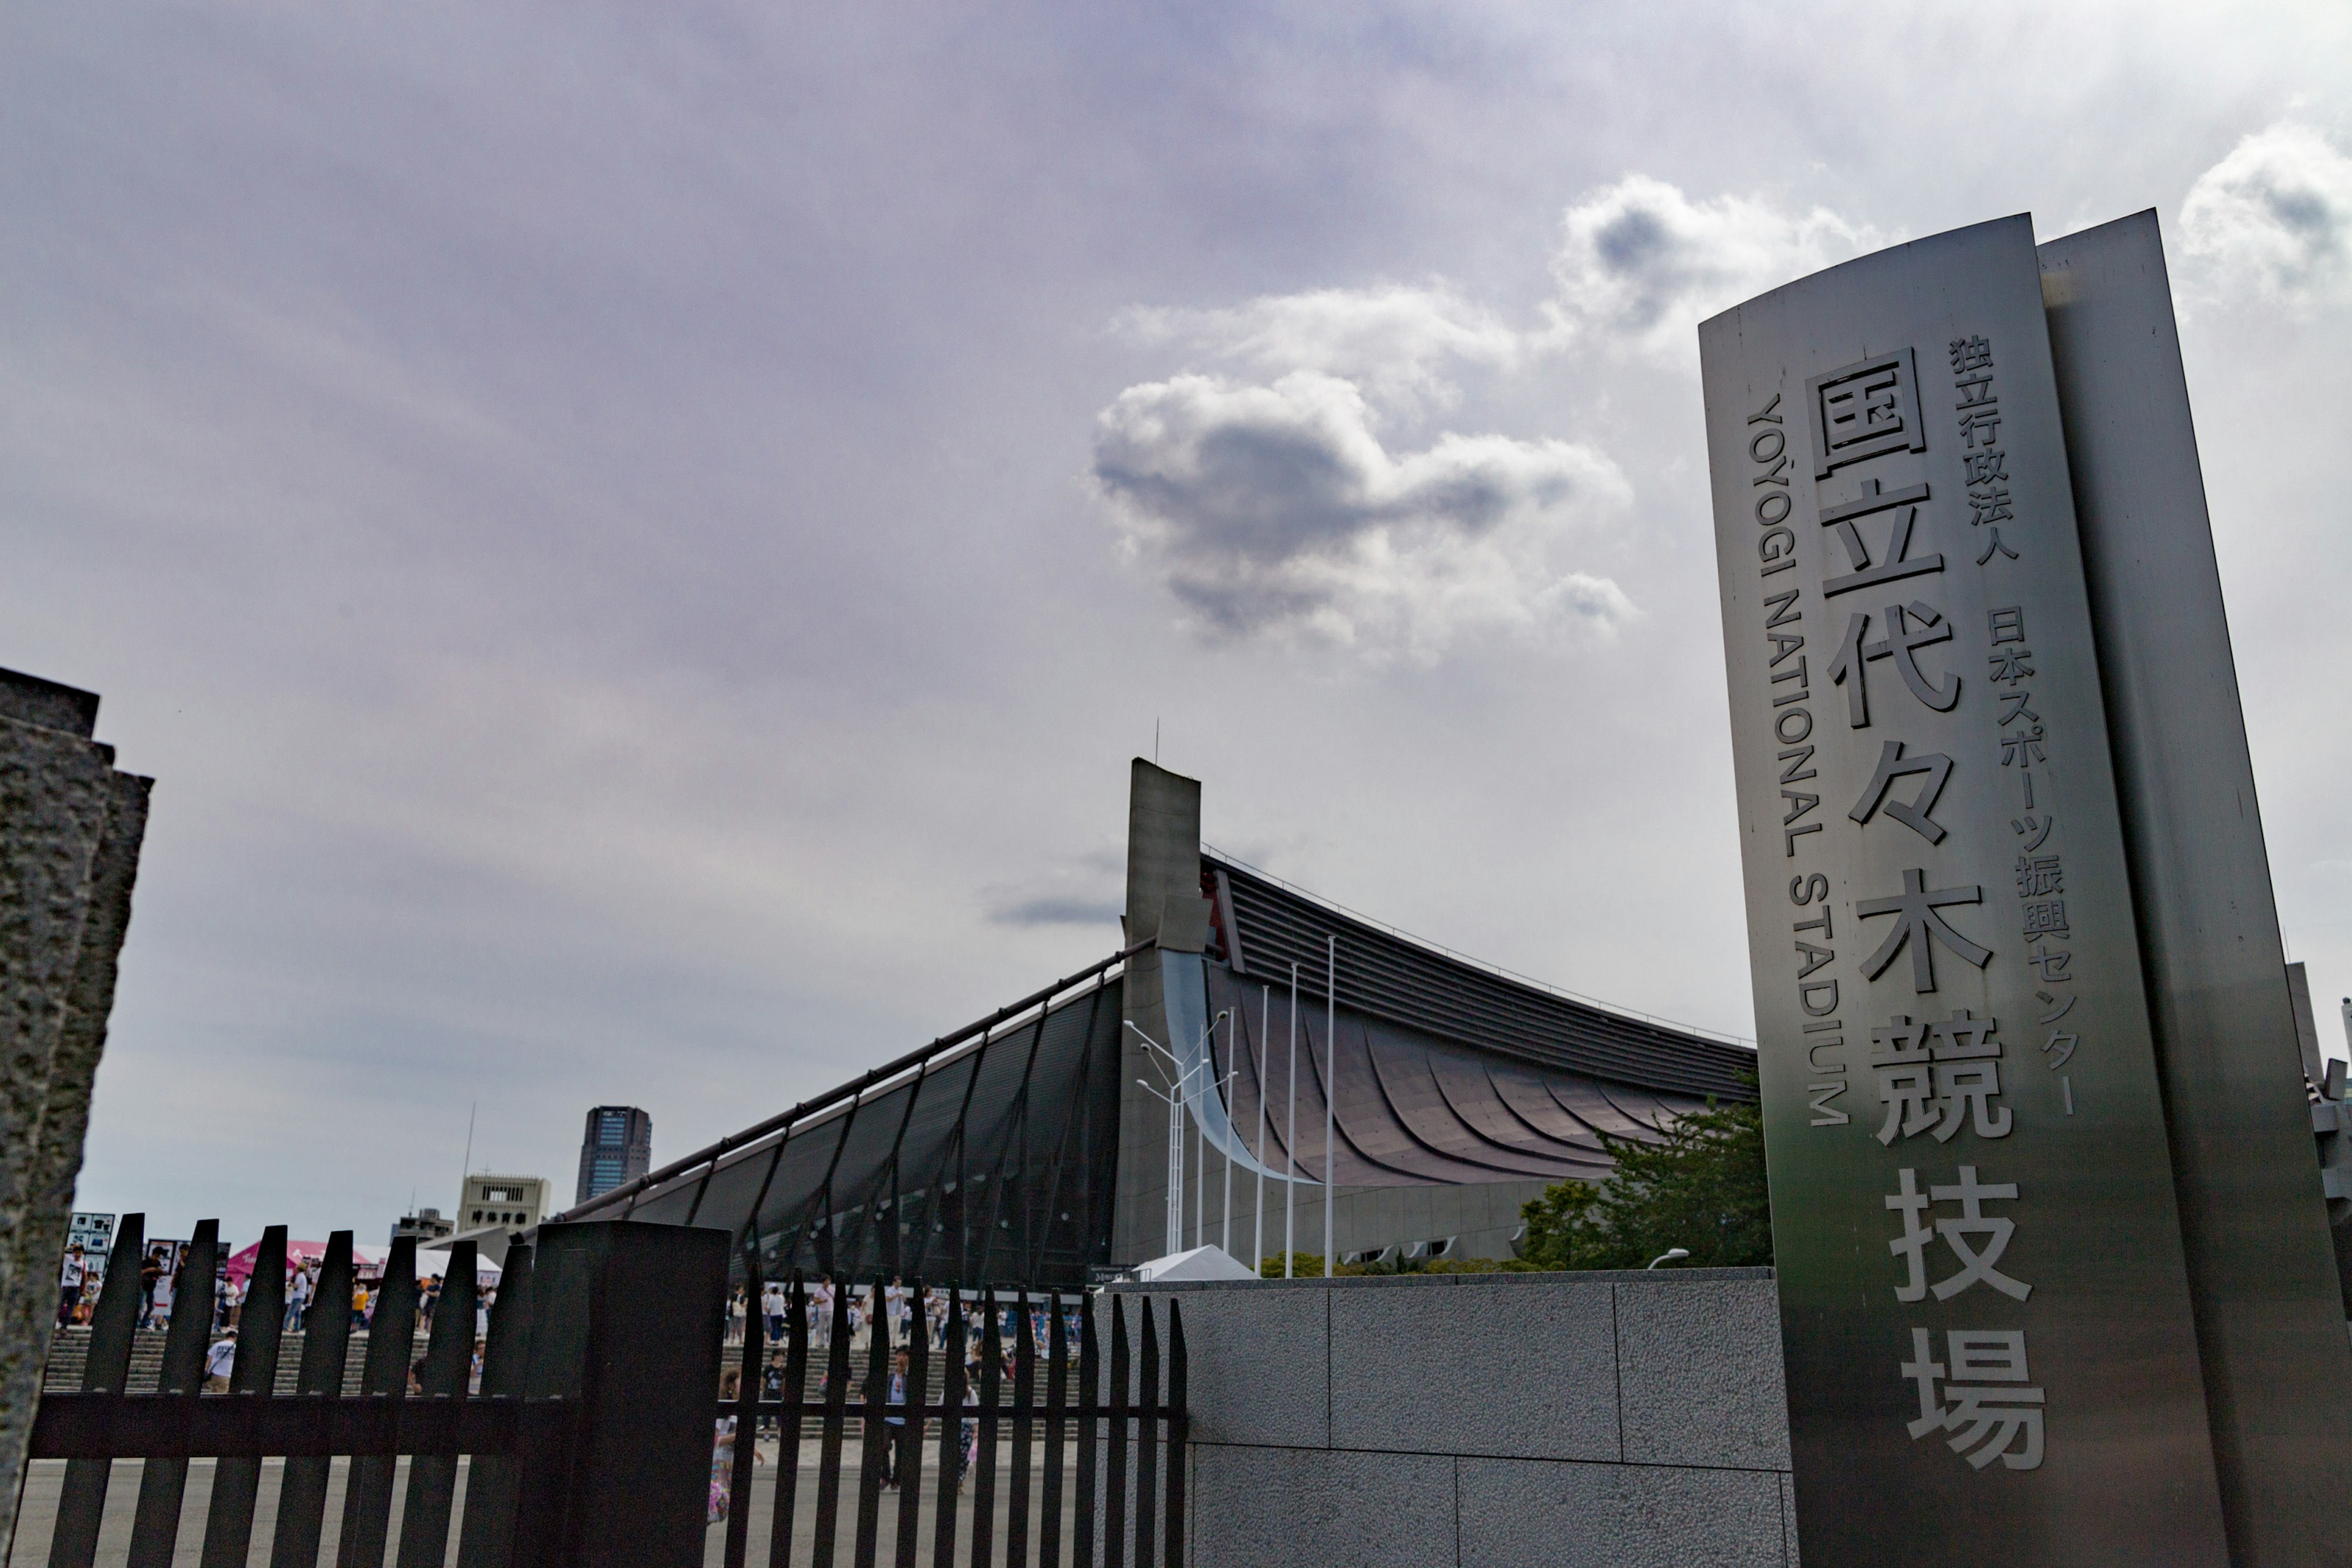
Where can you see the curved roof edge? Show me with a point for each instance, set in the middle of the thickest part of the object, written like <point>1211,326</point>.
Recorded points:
<point>1267,925</point>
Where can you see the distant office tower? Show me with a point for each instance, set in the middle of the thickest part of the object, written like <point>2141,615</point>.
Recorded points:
<point>617,1147</point>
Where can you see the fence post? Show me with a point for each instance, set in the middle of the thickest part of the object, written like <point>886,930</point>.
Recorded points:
<point>155,1527</point>
<point>1179,1434</point>
<point>326,1344</point>
<point>626,1320</point>
<point>486,1533</point>
<point>81,1500</point>
<point>237,1478</point>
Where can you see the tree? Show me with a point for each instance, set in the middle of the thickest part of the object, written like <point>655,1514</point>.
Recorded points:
<point>1702,1188</point>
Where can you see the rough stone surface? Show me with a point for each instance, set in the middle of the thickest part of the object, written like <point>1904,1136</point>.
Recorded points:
<point>1501,1369</point>
<point>1285,1508</point>
<point>1699,1376</point>
<point>53,805</point>
<point>69,834</point>
<point>1513,1513</point>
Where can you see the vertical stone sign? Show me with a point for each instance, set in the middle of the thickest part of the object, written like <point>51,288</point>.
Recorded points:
<point>1986,1310</point>
<point>2261,1266</point>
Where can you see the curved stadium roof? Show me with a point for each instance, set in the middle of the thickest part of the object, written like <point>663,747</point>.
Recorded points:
<point>988,1155</point>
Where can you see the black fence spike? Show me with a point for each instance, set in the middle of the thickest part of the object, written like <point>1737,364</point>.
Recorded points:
<point>909,1460</point>
<point>113,1328</point>
<point>788,1428</point>
<point>326,1344</point>
<point>1057,1390</point>
<point>991,1369</point>
<point>748,1371</point>
<point>1090,1392</point>
<point>392,1339</point>
<point>486,1533</point>
<point>1024,1388</point>
<point>837,1409</point>
<point>953,1386</point>
<point>1147,1439</point>
<point>1178,1432</point>
<point>1115,1424</point>
<point>156,1528</point>
<point>237,1478</point>
<point>442,1376</point>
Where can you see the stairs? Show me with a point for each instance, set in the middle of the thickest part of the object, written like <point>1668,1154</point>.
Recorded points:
<point>69,1353</point>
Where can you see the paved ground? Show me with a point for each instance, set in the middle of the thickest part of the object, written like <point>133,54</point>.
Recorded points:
<point>38,1517</point>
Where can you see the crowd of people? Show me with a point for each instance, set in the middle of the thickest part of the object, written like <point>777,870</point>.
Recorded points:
<point>161,1280</point>
<point>823,1301</point>
<point>898,1304</point>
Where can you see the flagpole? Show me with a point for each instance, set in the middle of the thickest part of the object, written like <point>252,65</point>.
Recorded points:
<point>1290,1156</point>
<point>1331,1102</point>
<point>1264,1018</point>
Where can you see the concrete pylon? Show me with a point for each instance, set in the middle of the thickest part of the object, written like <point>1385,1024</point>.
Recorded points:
<point>1164,906</point>
<point>70,829</point>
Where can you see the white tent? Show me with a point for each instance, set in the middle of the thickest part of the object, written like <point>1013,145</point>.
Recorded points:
<point>1200,1263</point>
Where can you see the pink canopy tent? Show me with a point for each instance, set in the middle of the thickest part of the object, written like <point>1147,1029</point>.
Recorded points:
<point>367,1262</point>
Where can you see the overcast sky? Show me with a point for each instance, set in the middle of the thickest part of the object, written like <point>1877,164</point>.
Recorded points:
<point>638,542</point>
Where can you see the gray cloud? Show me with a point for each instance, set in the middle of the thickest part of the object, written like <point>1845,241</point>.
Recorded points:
<point>1398,342</point>
<point>1053,910</point>
<point>1277,509</point>
<point>573,504</point>
<point>2274,216</point>
<point>1640,263</point>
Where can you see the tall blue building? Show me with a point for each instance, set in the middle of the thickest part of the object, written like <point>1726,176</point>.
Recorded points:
<point>617,1147</point>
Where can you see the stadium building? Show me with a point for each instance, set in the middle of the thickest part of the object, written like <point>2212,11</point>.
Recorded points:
<point>1040,1145</point>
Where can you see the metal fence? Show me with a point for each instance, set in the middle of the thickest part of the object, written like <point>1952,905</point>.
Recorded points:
<point>1067,1461</point>
<point>598,1436</point>
<point>586,1441</point>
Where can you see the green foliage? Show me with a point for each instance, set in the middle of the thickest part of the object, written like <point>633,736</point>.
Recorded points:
<point>1309,1266</point>
<point>1702,1188</point>
<point>1477,1265</point>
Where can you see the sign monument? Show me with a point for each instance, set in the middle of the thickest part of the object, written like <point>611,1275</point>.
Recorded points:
<point>1991,1320</point>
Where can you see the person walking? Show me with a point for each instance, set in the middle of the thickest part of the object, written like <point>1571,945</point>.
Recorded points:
<point>167,1285</point>
<point>772,1388</point>
<point>896,1424</point>
<point>299,1283</point>
<point>968,1437</point>
<point>69,1278</point>
<point>220,1361</point>
<point>722,1448</point>
<point>821,1314</point>
<point>773,1305</point>
<point>151,1269</point>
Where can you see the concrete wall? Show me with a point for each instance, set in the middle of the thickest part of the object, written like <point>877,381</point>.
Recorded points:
<point>1622,1419</point>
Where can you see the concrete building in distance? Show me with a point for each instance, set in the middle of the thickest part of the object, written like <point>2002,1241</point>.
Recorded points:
<point>617,1147</point>
<point>502,1203</point>
<point>427,1224</point>
<point>1154,1101</point>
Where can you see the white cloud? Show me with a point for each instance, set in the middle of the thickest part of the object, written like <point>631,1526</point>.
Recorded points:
<point>1276,510</point>
<point>1391,341</point>
<point>1641,264</point>
<point>2274,216</point>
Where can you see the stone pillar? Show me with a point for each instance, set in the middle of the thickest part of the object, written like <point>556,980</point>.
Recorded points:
<point>70,828</point>
<point>1165,907</point>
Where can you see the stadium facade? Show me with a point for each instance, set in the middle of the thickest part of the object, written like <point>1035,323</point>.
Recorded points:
<point>1034,1147</point>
